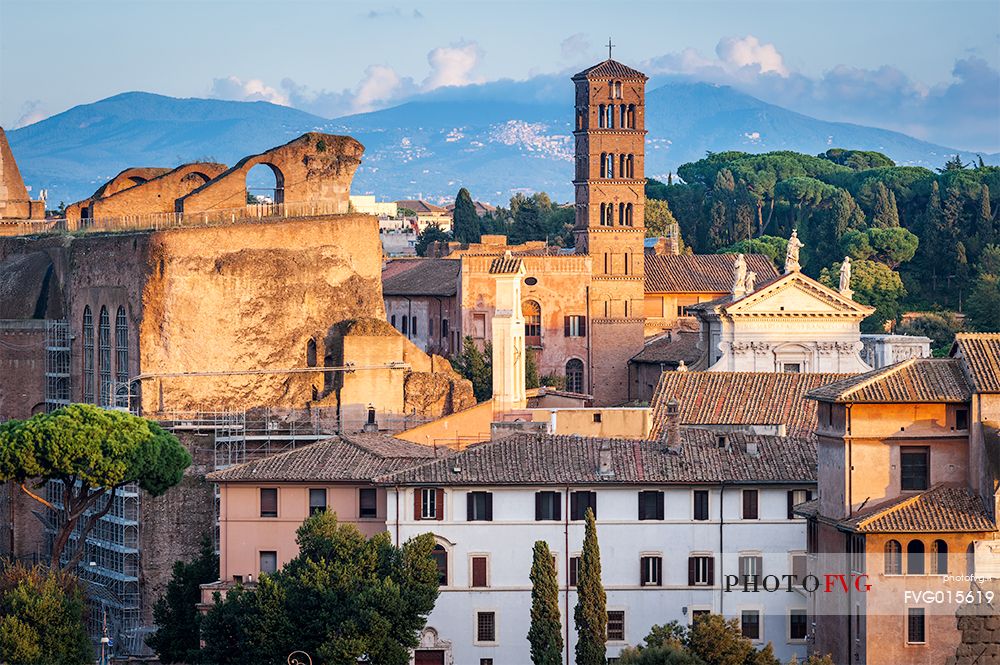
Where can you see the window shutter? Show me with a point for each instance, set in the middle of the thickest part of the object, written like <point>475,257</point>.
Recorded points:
<point>470,501</point>
<point>659,505</point>
<point>566,326</point>
<point>642,505</point>
<point>759,567</point>
<point>416,503</point>
<point>583,326</point>
<point>711,571</point>
<point>557,507</point>
<point>538,506</point>
<point>574,506</point>
<point>489,506</point>
<point>479,571</point>
<point>809,495</point>
<point>439,504</point>
<point>692,570</point>
<point>791,503</point>
<point>591,503</point>
<point>659,571</point>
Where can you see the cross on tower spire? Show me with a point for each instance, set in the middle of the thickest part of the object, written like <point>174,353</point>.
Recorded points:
<point>610,46</point>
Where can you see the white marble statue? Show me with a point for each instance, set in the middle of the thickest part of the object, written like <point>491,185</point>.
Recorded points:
<point>739,275</point>
<point>750,281</point>
<point>792,253</point>
<point>845,274</point>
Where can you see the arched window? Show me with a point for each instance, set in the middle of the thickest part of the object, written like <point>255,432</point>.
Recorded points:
<point>616,89</point>
<point>623,116</point>
<point>609,121</point>
<point>311,350</point>
<point>970,560</point>
<point>631,116</point>
<point>609,169</point>
<point>413,326</point>
<point>604,165</point>
<point>392,321</point>
<point>440,556</point>
<point>939,557</point>
<point>265,184</point>
<point>574,375</point>
<point>406,327</point>
<point>600,115</point>
<point>579,119</point>
<point>104,358</point>
<point>610,217</point>
<point>622,169</point>
<point>121,346</point>
<point>628,215</point>
<point>893,558</point>
<point>915,557</point>
<point>621,214</point>
<point>532,312</point>
<point>631,166</point>
<point>88,355</point>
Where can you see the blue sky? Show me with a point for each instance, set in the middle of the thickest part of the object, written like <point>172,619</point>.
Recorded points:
<point>929,68</point>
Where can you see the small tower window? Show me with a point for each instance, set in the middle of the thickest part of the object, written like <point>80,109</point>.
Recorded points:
<point>628,215</point>
<point>609,166</point>
<point>609,219</point>
<point>623,113</point>
<point>600,115</point>
<point>604,165</point>
<point>609,120</point>
<point>631,116</point>
<point>616,90</point>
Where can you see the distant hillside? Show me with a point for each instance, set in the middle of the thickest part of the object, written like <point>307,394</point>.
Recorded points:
<point>473,136</point>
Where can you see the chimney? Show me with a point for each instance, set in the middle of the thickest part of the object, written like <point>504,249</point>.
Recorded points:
<point>371,425</point>
<point>672,427</point>
<point>674,240</point>
<point>753,448</point>
<point>604,467</point>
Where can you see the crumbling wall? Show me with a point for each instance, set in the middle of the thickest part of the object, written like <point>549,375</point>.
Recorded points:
<point>314,169</point>
<point>979,623</point>
<point>157,195</point>
<point>130,177</point>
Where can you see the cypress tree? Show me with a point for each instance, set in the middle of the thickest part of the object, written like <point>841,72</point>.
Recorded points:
<point>591,612</point>
<point>985,221</point>
<point>884,212</point>
<point>545,633</point>
<point>465,221</point>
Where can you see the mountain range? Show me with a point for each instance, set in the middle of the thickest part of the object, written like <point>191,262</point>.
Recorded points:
<point>496,139</point>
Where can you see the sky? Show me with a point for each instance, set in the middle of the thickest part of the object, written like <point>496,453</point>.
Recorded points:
<point>930,68</point>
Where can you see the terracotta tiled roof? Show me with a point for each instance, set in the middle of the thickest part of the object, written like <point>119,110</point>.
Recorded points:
<point>535,459</point>
<point>670,349</point>
<point>610,69</point>
<point>700,273</point>
<point>740,398</point>
<point>420,206</point>
<point>981,353</point>
<point>941,509</point>
<point>807,508</point>
<point>421,277</point>
<point>505,265</point>
<point>350,457</point>
<point>913,380</point>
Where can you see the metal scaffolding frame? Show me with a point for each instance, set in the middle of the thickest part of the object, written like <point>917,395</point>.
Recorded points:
<point>57,363</point>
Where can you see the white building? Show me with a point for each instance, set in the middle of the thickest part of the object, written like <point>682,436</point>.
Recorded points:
<point>676,520</point>
<point>367,205</point>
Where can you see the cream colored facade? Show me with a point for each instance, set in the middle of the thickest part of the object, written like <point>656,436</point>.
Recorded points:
<point>367,205</point>
<point>793,324</point>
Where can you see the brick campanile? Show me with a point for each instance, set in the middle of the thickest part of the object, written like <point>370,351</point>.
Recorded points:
<point>610,140</point>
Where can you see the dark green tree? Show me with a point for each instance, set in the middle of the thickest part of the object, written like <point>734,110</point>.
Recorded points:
<point>465,222</point>
<point>720,642</point>
<point>659,220</point>
<point>984,223</point>
<point>545,633</point>
<point>94,452</point>
<point>431,233</point>
<point>953,164</point>
<point>891,246</point>
<point>884,212</point>
<point>940,327</point>
<point>343,599</point>
<point>42,617</point>
<point>531,379</point>
<point>874,284</point>
<point>813,659</point>
<point>477,367</point>
<point>770,246</point>
<point>983,305</point>
<point>658,655</point>
<point>591,612</point>
<point>176,615</point>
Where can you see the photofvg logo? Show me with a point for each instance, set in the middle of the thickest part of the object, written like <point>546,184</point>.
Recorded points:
<point>826,583</point>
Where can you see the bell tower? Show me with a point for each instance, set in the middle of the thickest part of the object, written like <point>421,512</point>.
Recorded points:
<point>610,184</point>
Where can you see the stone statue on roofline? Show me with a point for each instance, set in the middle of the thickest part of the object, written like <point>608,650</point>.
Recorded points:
<point>845,278</point>
<point>750,281</point>
<point>792,253</point>
<point>739,276</point>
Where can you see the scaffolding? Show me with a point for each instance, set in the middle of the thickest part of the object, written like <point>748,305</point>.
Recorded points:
<point>57,363</point>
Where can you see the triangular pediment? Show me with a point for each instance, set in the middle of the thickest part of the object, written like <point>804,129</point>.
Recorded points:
<point>796,294</point>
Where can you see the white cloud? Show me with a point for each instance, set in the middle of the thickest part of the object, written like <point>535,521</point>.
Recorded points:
<point>453,65</point>
<point>576,47</point>
<point>32,111</point>
<point>234,88</point>
<point>380,85</point>
<point>737,53</point>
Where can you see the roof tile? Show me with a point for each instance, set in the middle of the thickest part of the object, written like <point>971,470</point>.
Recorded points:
<point>610,69</point>
<point>941,509</point>
<point>981,353</point>
<point>421,277</point>
<point>700,273</point>
<point>913,380</point>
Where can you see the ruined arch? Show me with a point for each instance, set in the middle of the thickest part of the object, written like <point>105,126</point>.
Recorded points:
<point>258,184</point>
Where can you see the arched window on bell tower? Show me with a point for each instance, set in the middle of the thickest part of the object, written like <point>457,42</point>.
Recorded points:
<point>609,166</point>
<point>600,116</point>
<point>621,214</point>
<point>609,119</point>
<point>628,215</point>
<point>579,119</point>
<point>623,116</point>
<point>631,116</point>
<point>622,160</point>
<point>604,165</point>
<point>609,219</point>
<point>631,166</point>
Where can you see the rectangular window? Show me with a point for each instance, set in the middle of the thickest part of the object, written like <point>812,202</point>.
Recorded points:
<point>701,570</point>
<point>575,326</point>
<point>548,506</point>
<point>479,326</point>
<point>485,661</point>
<point>961,419</point>
<point>579,502</point>
<point>750,504</point>
<point>429,503</point>
<point>367,502</point>
<point>574,570</point>
<point>317,501</point>
<point>268,562</point>
<point>696,614</point>
<point>268,501</point>
<point>701,504</point>
<point>650,505</point>
<point>430,328</point>
<point>479,506</point>
<point>791,368</point>
<point>798,569</point>
<point>797,622</point>
<point>413,326</point>
<point>915,628</point>
<point>406,325</point>
<point>914,463</point>
<point>480,570</point>
<point>486,626</point>
<point>444,328</point>
<point>651,570</point>
<point>751,566</point>
<point>616,626</point>
<point>795,497</point>
<point>750,624</point>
